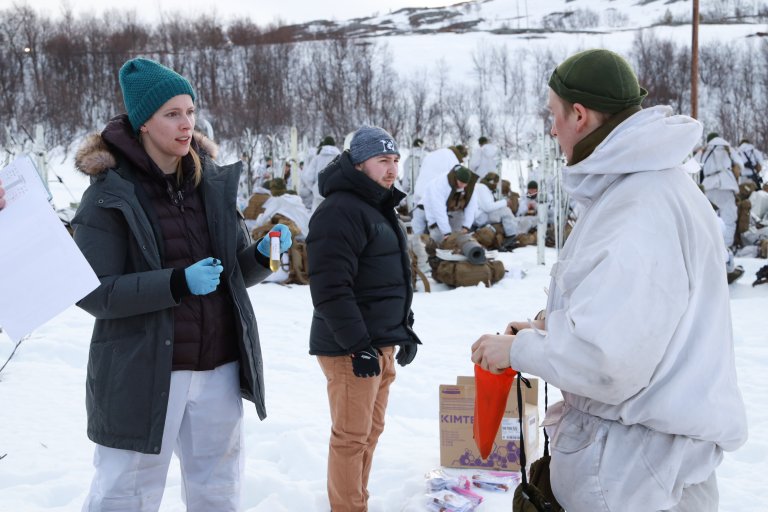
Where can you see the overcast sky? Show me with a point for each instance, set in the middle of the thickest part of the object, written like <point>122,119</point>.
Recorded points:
<point>260,11</point>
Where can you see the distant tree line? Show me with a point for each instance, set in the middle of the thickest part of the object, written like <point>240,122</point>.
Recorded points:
<point>733,83</point>
<point>253,84</point>
<point>63,73</point>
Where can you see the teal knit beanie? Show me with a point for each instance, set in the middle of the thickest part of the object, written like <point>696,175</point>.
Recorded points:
<point>146,86</point>
<point>600,80</point>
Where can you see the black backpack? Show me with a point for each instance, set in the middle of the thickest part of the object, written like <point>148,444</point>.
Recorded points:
<point>762,276</point>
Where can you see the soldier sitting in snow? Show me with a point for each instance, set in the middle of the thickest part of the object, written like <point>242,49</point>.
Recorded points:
<point>450,204</point>
<point>490,211</point>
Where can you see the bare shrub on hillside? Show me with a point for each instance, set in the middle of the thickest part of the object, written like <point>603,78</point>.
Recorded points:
<point>243,33</point>
<point>514,119</point>
<point>582,19</point>
<point>459,110</point>
<point>485,75</point>
<point>555,21</point>
<point>614,18</point>
<point>578,19</point>
<point>441,83</point>
<point>22,36</point>
<point>726,11</point>
<point>347,83</point>
<point>422,111</point>
<point>246,144</point>
<point>758,131</point>
<point>544,61</point>
<point>663,68</point>
<point>389,105</point>
<point>716,64</point>
<point>739,95</point>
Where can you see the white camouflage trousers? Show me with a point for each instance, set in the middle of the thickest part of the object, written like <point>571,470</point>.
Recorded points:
<point>203,427</point>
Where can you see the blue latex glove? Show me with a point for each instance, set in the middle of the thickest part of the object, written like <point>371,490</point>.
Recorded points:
<point>285,240</point>
<point>203,276</point>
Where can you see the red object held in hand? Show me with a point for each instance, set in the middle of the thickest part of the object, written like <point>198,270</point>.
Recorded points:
<point>491,392</point>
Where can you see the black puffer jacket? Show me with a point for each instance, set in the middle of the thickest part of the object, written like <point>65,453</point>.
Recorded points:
<point>359,270</point>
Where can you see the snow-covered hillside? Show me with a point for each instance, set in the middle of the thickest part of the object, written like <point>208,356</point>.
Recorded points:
<point>532,18</point>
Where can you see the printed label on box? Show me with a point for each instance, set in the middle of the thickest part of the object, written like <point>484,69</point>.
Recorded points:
<point>510,429</point>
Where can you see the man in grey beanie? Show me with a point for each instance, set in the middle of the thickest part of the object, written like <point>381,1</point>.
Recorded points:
<point>360,281</point>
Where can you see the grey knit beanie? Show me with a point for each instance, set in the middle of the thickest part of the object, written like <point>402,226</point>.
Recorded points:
<point>371,141</point>
<point>146,86</point>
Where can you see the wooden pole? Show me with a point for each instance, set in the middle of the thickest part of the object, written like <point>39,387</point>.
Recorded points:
<point>695,62</point>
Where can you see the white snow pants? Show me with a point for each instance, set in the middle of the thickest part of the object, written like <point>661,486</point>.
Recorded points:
<point>203,426</point>
<point>725,200</point>
<point>418,221</point>
<point>699,497</point>
<point>526,223</point>
<point>504,215</point>
<point>600,465</point>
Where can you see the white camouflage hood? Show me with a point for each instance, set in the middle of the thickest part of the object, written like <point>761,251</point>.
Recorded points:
<point>650,140</point>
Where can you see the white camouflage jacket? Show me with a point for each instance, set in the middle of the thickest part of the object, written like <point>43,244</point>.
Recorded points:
<point>638,326</point>
<point>717,159</point>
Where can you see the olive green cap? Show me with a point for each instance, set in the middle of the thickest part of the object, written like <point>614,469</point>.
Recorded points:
<point>599,79</point>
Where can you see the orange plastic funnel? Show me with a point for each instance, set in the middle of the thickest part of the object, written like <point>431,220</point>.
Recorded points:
<point>491,392</point>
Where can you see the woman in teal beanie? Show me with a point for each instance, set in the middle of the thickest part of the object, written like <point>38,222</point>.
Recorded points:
<point>175,343</point>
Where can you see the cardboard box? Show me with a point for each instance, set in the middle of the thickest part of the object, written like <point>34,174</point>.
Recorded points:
<point>457,414</point>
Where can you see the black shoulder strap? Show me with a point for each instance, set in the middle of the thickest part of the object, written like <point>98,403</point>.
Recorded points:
<point>749,163</point>
<point>711,150</point>
<point>520,379</point>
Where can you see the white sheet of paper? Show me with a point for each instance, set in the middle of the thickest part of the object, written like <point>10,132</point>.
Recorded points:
<point>42,272</point>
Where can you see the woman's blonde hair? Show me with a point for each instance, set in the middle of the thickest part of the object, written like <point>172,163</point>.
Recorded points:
<point>197,174</point>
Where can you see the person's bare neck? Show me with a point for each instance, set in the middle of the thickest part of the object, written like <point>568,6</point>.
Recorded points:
<point>165,163</point>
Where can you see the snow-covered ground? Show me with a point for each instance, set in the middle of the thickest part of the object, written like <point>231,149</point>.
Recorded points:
<point>46,456</point>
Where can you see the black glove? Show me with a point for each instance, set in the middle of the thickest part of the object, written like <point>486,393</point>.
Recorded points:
<point>365,363</point>
<point>406,354</point>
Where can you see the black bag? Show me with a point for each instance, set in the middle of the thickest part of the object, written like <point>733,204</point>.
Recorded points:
<point>534,494</point>
<point>755,167</point>
<point>762,276</point>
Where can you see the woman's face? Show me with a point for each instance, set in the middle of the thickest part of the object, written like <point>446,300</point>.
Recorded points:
<point>166,135</point>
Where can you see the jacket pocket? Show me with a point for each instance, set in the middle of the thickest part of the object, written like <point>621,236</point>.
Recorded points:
<point>574,432</point>
<point>576,451</point>
<point>658,450</point>
<point>121,382</point>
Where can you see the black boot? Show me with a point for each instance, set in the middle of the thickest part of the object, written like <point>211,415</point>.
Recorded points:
<point>509,243</point>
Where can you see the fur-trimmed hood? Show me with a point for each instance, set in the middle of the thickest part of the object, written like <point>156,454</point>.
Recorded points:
<point>95,155</point>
